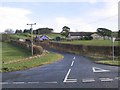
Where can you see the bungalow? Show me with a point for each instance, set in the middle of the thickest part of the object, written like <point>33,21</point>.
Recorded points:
<point>79,35</point>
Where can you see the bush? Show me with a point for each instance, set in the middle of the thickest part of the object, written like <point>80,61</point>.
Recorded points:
<point>58,38</point>
<point>37,50</point>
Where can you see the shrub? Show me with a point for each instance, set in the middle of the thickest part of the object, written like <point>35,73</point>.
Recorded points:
<point>37,50</point>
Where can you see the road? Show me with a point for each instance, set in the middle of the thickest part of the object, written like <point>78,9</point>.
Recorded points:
<point>73,71</point>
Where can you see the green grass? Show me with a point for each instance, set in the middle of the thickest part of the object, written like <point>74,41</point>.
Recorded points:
<point>92,42</point>
<point>109,62</point>
<point>54,35</point>
<point>22,36</point>
<point>13,53</point>
<point>45,59</point>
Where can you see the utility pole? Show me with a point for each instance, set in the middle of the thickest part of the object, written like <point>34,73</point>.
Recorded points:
<point>113,41</point>
<point>31,36</point>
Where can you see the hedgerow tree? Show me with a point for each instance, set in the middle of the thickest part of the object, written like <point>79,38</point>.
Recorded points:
<point>65,31</point>
<point>119,34</point>
<point>104,32</point>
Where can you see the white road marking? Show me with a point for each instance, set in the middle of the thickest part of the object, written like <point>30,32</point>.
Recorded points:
<point>106,79</point>
<point>88,80</point>
<point>67,75</point>
<point>118,78</point>
<point>32,82</point>
<point>72,63</point>
<point>95,69</point>
<point>3,82</point>
<point>74,58</point>
<point>18,82</point>
<point>50,82</point>
<point>69,80</point>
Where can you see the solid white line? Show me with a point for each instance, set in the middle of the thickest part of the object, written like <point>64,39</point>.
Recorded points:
<point>50,82</point>
<point>67,75</point>
<point>72,63</point>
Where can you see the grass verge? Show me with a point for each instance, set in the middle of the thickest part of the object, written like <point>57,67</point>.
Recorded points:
<point>92,42</point>
<point>109,62</point>
<point>15,58</point>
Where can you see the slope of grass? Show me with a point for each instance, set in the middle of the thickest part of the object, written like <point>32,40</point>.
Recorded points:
<point>92,42</point>
<point>12,53</point>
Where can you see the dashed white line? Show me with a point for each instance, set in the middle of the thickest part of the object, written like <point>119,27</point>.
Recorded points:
<point>3,82</point>
<point>74,58</point>
<point>106,79</point>
<point>72,63</point>
<point>88,80</point>
<point>32,82</point>
<point>18,82</point>
<point>67,75</point>
<point>118,78</point>
<point>50,82</point>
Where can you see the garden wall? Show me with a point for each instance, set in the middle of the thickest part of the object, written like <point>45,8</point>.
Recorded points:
<point>82,49</point>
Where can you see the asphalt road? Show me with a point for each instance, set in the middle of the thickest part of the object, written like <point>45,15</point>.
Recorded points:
<point>73,71</point>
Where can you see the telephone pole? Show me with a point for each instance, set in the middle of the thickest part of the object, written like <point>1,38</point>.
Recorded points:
<point>31,36</point>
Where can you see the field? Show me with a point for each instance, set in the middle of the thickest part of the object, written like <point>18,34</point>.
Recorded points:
<point>12,53</point>
<point>92,42</point>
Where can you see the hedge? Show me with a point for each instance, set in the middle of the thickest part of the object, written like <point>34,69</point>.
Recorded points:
<point>36,49</point>
<point>83,49</point>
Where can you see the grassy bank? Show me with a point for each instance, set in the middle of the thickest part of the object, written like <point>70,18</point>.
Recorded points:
<point>17,56</point>
<point>92,42</point>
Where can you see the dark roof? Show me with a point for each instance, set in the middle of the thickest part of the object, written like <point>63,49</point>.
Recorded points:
<point>80,33</point>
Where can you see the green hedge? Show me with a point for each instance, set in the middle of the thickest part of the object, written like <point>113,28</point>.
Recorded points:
<point>36,49</point>
<point>83,49</point>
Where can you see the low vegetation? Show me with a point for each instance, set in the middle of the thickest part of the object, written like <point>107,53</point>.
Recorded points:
<point>109,62</point>
<point>92,42</point>
<point>16,58</point>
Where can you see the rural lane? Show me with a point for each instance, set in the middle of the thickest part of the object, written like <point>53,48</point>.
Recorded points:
<point>73,71</point>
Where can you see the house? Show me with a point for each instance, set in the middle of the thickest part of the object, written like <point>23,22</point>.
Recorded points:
<point>79,35</point>
<point>43,31</point>
<point>96,36</point>
<point>41,38</point>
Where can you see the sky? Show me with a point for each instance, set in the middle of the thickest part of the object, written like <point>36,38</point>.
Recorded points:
<point>79,16</point>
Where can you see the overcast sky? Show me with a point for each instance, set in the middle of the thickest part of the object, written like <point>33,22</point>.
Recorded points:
<point>80,15</point>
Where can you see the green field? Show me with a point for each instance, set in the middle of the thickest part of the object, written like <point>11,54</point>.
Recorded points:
<point>54,35</point>
<point>11,53</point>
<point>92,42</point>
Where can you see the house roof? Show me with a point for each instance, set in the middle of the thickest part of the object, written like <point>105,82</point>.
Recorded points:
<point>80,33</point>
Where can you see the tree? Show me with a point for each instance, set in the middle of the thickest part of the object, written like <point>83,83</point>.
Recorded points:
<point>104,32</point>
<point>27,31</point>
<point>18,31</point>
<point>119,34</point>
<point>9,31</point>
<point>65,31</point>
